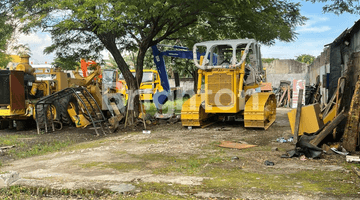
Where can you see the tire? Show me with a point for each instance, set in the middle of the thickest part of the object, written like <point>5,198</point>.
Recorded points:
<point>64,103</point>
<point>4,124</point>
<point>40,110</point>
<point>20,125</point>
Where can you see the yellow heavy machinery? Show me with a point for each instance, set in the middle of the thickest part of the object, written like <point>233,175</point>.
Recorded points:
<point>57,99</point>
<point>230,70</point>
<point>149,85</point>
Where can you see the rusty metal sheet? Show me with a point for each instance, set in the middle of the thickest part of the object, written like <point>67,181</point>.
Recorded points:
<point>235,145</point>
<point>17,90</point>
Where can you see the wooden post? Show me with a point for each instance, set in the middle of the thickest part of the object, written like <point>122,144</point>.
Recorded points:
<point>351,131</point>
<point>298,114</point>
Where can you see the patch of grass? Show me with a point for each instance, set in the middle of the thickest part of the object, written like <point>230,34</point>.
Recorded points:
<point>39,149</point>
<point>119,166</point>
<point>125,166</point>
<point>149,141</point>
<point>26,192</point>
<point>87,145</point>
<point>305,181</point>
<point>154,195</point>
<point>188,165</point>
<point>91,164</point>
<point>164,188</point>
<point>168,106</point>
<point>9,140</point>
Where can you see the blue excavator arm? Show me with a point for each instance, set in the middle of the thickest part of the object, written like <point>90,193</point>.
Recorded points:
<point>160,98</point>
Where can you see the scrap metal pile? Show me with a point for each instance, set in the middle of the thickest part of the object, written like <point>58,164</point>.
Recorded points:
<point>334,127</point>
<point>284,94</point>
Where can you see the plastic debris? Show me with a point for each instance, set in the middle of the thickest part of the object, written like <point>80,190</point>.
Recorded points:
<point>344,152</point>
<point>146,131</point>
<point>352,159</point>
<point>269,163</point>
<point>234,158</point>
<point>283,140</point>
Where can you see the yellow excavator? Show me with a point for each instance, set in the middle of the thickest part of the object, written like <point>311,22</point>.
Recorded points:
<point>230,70</point>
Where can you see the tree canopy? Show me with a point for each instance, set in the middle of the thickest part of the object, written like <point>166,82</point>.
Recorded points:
<point>340,6</point>
<point>6,30</point>
<point>83,28</point>
<point>305,58</point>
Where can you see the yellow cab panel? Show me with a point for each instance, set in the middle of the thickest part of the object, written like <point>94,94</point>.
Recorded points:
<point>149,86</point>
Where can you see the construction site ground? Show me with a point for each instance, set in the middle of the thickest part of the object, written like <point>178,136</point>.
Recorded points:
<point>172,162</point>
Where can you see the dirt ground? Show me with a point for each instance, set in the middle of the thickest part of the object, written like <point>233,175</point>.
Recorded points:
<point>174,162</point>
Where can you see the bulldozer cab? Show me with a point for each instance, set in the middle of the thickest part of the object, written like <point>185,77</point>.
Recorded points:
<point>230,54</point>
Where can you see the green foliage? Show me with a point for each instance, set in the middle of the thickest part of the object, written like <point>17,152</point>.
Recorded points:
<point>305,58</point>
<point>84,28</point>
<point>68,63</point>
<point>340,7</point>
<point>6,30</point>
<point>268,60</point>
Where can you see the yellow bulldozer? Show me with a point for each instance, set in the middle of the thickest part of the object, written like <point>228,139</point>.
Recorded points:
<point>59,100</point>
<point>229,72</point>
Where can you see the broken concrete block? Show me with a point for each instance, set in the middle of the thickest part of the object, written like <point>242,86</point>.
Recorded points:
<point>10,177</point>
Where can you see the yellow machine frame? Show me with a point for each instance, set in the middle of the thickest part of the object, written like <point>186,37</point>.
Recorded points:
<point>224,92</point>
<point>148,88</point>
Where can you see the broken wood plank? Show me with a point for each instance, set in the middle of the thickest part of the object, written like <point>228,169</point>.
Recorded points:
<point>328,106</point>
<point>298,114</point>
<point>7,147</point>
<point>327,130</point>
<point>281,99</point>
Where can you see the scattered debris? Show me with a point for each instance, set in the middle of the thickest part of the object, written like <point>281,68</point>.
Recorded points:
<point>304,147</point>
<point>356,171</point>
<point>164,116</point>
<point>352,158</point>
<point>343,152</point>
<point>7,147</point>
<point>222,129</point>
<point>234,158</point>
<point>146,131</point>
<point>303,158</point>
<point>283,94</point>
<point>7,179</point>
<point>327,149</point>
<point>269,163</point>
<point>283,140</point>
<point>234,145</point>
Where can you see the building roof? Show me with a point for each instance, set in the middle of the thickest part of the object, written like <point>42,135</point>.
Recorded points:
<point>345,34</point>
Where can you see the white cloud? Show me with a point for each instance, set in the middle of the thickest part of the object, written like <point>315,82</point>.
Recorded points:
<point>314,25</point>
<point>32,38</point>
<point>291,50</point>
<point>37,42</point>
<point>315,29</point>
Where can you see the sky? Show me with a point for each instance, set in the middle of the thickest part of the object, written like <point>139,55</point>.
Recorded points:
<point>320,29</point>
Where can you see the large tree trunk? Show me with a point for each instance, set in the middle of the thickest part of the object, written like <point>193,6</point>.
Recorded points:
<point>133,100</point>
